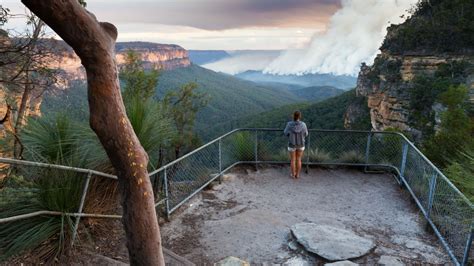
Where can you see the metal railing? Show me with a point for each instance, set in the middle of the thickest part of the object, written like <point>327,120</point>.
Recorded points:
<point>446,209</point>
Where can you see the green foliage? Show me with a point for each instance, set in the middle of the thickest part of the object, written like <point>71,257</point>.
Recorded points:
<point>389,68</point>
<point>183,105</point>
<point>351,157</point>
<point>32,191</point>
<point>152,125</point>
<point>136,81</point>
<point>461,171</point>
<point>59,140</point>
<point>456,131</point>
<point>230,98</point>
<point>427,90</point>
<point>242,144</point>
<point>51,140</point>
<point>319,155</point>
<point>317,93</point>
<point>436,26</point>
<point>328,114</point>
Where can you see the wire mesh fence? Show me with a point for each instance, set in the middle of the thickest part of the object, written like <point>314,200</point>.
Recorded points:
<point>449,213</point>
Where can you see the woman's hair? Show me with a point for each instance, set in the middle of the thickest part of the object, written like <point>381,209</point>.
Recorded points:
<point>296,115</point>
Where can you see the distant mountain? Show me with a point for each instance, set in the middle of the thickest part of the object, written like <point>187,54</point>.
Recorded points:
<point>317,93</point>
<point>340,82</point>
<point>201,57</point>
<point>230,97</point>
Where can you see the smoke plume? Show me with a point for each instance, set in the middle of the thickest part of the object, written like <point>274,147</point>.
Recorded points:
<point>242,61</point>
<point>353,36</point>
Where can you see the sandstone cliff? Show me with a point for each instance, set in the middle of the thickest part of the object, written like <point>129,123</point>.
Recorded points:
<point>435,38</point>
<point>154,56</point>
<point>387,86</point>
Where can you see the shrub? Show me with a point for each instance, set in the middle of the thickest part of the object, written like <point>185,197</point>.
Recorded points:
<point>351,157</point>
<point>282,155</point>
<point>47,236</point>
<point>319,156</point>
<point>242,146</point>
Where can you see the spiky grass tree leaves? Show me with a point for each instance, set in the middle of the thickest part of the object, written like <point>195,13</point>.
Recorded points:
<point>32,191</point>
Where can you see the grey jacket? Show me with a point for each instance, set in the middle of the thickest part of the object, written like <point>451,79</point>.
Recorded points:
<point>296,131</point>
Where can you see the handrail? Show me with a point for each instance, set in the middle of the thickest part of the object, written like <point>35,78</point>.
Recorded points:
<point>193,152</point>
<point>206,159</point>
<point>56,166</point>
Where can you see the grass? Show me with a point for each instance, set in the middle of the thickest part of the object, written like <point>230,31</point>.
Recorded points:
<point>242,144</point>
<point>351,157</point>
<point>319,156</point>
<point>46,236</point>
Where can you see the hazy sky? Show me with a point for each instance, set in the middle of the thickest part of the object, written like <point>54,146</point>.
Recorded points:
<point>213,24</point>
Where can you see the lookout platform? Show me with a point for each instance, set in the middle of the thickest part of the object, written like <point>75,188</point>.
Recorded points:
<point>250,213</point>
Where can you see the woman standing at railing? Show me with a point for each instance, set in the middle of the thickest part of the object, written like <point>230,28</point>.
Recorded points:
<point>296,131</point>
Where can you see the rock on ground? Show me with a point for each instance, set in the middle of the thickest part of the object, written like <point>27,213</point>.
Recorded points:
<point>232,261</point>
<point>390,261</point>
<point>341,263</point>
<point>297,261</point>
<point>331,243</point>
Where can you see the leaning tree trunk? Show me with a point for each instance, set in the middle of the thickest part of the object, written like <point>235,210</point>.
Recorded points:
<point>94,43</point>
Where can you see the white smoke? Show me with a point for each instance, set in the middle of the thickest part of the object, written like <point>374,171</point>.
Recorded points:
<point>353,36</point>
<point>242,61</point>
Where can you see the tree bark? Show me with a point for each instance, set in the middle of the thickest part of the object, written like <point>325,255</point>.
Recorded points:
<point>20,120</point>
<point>94,43</point>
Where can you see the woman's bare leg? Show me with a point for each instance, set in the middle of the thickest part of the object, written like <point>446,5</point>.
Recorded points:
<point>298,155</point>
<point>293,163</point>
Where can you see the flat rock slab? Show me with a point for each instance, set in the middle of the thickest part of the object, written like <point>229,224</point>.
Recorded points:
<point>331,243</point>
<point>342,263</point>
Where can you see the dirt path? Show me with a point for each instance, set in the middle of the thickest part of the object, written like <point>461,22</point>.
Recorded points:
<point>250,213</point>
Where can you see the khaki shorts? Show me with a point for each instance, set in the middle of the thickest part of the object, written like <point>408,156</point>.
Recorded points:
<point>290,149</point>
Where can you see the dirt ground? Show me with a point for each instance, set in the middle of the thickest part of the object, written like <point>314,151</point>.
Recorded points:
<point>250,214</point>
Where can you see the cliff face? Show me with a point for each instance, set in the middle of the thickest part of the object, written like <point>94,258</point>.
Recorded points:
<point>420,58</point>
<point>154,56</point>
<point>388,82</point>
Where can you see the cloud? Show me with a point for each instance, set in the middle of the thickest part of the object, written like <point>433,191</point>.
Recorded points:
<point>354,35</point>
<point>218,14</point>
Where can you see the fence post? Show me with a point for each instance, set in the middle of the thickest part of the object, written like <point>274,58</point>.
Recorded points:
<point>367,150</point>
<point>165,179</point>
<point>404,162</point>
<point>256,150</point>
<point>81,206</point>
<point>431,194</point>
<point>307,153</point>
<point>467,249</point>
<point>220,160</point>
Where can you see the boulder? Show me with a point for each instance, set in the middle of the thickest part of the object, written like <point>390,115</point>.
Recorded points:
<point>232,261</point>
<point>331,243</point>
<point>390,261</point>
<point>297,261</point>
